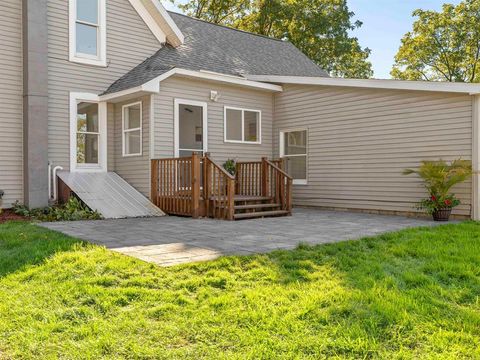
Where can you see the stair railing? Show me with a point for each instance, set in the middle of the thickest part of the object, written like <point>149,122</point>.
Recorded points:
<point>277,184</point>
<point>219,191</point>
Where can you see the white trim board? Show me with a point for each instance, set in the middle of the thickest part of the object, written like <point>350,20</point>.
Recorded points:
<point>476,159</point>
<point>176,123</point>
<point>439,86</point>
<point>153,86</point>
<point>158,21</point>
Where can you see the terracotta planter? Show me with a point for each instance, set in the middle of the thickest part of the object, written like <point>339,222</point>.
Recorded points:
<point>442,214</point>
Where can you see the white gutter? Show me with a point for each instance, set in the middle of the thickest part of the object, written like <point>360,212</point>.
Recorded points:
<point>153,86</point>
<point>466,88</point>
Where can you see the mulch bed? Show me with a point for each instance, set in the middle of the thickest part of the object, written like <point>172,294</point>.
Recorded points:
<point>9,215</point>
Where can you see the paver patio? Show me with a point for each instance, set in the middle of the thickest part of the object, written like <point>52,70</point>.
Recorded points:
<point>174,240</point>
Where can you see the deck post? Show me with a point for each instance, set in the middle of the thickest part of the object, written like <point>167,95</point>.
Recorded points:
<point>195,185</point>
<point>231,199</point>
<point>207,173</point>
<point>289,196</point>
<point>264,175</point>
<point>154,182</point>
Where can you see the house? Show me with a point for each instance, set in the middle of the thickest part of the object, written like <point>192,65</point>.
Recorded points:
<point>106,94</point>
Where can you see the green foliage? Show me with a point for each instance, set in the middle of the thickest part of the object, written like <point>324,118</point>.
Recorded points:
<point>439,177</point>
<point>230,166</point>
<point>442,45</point>
<point>405,295</point>
<point>73,209</point>
<point>319,28</point>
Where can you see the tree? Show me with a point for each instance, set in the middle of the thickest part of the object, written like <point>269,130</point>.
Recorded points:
<point>319,28</point>
<point>442,45</point>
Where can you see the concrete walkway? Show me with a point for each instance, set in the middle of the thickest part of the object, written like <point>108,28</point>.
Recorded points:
<point>174,240</point>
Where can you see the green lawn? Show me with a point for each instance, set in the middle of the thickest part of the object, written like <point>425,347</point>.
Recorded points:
<point>411,294</point>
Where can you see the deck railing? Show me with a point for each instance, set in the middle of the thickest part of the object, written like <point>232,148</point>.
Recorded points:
<point>277,184</point>
<point>219,191</point>
<point>197,186</point>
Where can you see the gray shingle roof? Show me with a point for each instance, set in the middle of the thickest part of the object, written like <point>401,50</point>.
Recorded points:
<point>223,50</point>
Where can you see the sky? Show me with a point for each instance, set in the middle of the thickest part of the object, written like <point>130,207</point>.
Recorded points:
<point>384,24</point>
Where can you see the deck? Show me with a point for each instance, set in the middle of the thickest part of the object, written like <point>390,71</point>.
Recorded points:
<point>197,186</point>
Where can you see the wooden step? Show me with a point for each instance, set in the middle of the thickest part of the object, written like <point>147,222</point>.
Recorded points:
<point>255,206</point>
<point>258,214</point>
<point>251,198</point>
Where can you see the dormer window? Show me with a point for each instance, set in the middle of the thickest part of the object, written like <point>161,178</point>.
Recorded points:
<point>88,32</point>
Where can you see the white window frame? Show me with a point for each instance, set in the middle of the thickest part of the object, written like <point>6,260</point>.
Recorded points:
<point>75,99</point>
<point>283,156</point>
<point>125,131</point>
<point>176,124</point>
<point>243,141</point>
<point>87,59</point>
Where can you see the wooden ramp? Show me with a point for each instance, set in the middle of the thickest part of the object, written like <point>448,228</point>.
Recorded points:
<point>109,194</point>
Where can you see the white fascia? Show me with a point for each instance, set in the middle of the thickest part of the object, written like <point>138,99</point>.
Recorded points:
<point>159,21</point>
<point>439,86</point>
<point>211,76</point>
<point>153,86</point>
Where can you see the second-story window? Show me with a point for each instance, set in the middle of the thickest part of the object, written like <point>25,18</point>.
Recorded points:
<point>88,32</point>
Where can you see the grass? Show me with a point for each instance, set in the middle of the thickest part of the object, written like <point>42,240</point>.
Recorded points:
<point>409,294</point>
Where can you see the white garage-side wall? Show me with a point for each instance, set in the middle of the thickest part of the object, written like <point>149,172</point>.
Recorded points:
<point>11,103</point>
<point>360,140</point>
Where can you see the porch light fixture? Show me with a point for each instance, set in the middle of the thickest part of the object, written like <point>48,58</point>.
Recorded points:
<point>214,96</point>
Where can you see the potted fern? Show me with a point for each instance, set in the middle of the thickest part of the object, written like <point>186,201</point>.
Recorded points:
<point>439,177</point>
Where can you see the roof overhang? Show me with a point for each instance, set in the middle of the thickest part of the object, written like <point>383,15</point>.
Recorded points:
<point>153,86</point>
<point>465,88</point>
<point>159,21</point>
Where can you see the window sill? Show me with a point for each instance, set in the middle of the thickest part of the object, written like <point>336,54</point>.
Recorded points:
<point>131,155</point>
<point>85,61</point>
<point>243,142</point>
<point>300,182</point>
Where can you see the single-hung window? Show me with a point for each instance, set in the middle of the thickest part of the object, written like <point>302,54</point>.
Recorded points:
<point>293,148</point>
<point>242,125</point>
<point>132,129</point>
<point>88,32</point>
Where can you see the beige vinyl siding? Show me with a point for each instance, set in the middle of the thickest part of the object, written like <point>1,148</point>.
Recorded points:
<point>11,102</point>
<point>134,169</point>
<point>360,140</point>
<point>234,96</point>
<point>129,42</point>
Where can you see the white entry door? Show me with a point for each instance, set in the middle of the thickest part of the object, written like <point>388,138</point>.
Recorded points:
<point>190,127</point>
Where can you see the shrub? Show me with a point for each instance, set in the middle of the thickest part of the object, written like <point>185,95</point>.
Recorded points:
<point>230,166</point>
<point>73,209</point>
<point>439,177</point>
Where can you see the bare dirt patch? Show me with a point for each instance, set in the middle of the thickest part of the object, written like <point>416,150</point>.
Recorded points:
<point>9,215</point>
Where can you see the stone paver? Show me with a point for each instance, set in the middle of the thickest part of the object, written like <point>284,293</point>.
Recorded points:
<point>174,240</point>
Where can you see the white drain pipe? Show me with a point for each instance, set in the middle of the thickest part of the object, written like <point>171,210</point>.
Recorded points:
<point>55,181</point>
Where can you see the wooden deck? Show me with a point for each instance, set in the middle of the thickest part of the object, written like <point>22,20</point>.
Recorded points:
<point>198,187</point>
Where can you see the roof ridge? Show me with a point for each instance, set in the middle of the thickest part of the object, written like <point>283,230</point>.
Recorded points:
<point>229,27</point>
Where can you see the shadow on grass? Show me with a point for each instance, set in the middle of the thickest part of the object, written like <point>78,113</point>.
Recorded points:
<point>23,244</point>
